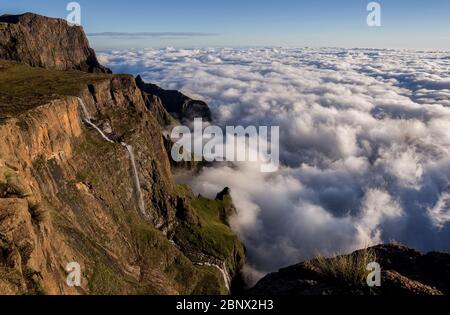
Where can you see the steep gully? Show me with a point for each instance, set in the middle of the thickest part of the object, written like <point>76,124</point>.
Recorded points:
<point>223,271</point>
<point>129,148</point>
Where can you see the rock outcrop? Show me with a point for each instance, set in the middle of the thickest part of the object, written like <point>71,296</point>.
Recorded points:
<point>180,106</point>
<point>228,210</point>
<point>46,42</point>
<point>404,271</point>
<point>171,108</point>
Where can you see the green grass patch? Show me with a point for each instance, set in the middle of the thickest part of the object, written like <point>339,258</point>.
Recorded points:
<point>22,87</point>
<point>212,236</point>
<point>163,266</point>
<point>160,256</point>
<point>211,283</point>
<point>350,269</point>
<point>105,281</point>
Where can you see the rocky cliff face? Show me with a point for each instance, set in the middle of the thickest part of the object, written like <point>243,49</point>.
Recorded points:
<point>69,195</point>
<point>404,271</point>
<point>85,177</point>
<point>45,42</point>
<point>176,103</point>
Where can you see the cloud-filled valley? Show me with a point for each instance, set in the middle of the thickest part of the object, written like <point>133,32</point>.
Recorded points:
<point>364,143</point>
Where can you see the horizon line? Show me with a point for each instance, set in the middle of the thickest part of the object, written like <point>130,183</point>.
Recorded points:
<point>151,34</point>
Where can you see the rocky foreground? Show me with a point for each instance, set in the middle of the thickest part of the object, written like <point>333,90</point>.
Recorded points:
<point>404,271</point>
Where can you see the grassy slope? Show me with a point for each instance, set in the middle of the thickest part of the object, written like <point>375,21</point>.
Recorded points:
<point>23,87</point>
<point>212,236</point>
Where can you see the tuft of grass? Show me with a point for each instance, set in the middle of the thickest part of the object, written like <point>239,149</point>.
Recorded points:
<point>211,282</point>
<point>38,212</point>
<point>34,282</point>
<point>105,280</point>
<point>11,185</point>
<point>11,276</point>
<point>350,269</point>
<point>158,255</point>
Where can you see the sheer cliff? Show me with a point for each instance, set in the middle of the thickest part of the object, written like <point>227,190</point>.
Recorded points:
<point>46,42</point>
<point>85,177</point>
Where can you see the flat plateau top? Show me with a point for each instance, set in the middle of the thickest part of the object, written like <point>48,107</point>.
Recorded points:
<point>23,88</point>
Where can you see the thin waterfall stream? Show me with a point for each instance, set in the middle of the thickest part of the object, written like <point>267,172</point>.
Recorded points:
<point>223,271</point>
<point>137,183</point>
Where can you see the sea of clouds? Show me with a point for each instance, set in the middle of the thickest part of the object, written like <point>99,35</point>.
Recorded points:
<point>364,143</point>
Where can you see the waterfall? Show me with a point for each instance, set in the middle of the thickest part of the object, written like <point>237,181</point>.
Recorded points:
<point>223,271</point>
<point>85,111</point>
<point>137,183</point>
<point>225,275</point>
<point>87,119</point>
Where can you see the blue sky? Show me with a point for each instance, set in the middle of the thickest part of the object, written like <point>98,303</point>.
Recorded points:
<point>405,23</point>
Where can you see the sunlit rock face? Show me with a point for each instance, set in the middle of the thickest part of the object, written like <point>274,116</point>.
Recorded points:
<point>46,42</point>
<point>85,179</point>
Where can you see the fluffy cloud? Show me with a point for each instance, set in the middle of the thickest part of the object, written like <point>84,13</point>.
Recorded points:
<point>364,143</point>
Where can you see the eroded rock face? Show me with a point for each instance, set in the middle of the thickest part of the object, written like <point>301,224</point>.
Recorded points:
<point>180,106</point>
<point>404,272</point>
<point>228,210</point>
<point>46,42</point>
<point>171,108</point>
<point>118,106</point>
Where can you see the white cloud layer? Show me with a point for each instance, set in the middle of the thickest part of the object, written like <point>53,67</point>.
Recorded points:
<point>364,140</point>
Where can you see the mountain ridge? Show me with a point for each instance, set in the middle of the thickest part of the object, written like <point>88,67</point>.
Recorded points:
<point>47,42</point>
